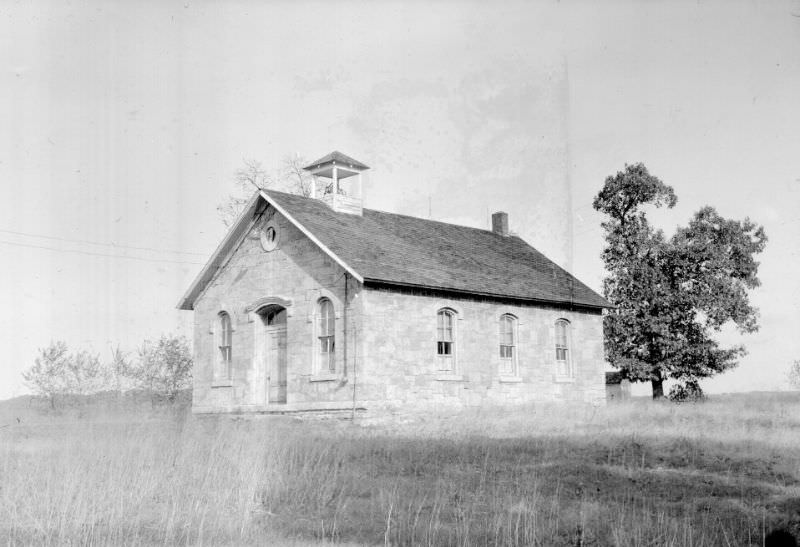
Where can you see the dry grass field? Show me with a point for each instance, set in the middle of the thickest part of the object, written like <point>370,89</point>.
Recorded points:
<point>723,472</point>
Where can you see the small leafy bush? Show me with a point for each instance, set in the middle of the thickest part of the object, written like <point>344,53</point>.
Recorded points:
<point>687,392</point>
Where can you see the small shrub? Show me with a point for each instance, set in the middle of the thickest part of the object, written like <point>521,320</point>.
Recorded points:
<point>164,368</point>
<point>57,373</point>
<point>688,391</point>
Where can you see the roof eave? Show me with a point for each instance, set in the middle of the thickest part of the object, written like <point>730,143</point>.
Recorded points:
<point>336,157</point>
<point>488,294</point>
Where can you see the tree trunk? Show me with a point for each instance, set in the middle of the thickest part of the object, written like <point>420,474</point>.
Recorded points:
<point>658,388</point>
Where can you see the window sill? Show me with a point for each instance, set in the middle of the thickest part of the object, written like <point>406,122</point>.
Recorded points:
<point>447,377</point>
<point>565,379</point>
<point>328,377</point>
<point>221,383</point>
<point>510,379</point>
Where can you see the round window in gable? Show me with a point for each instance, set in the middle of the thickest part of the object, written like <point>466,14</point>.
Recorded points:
<point>269,236</point>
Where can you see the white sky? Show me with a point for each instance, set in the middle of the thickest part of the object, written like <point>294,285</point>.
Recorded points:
<point>123,122</point>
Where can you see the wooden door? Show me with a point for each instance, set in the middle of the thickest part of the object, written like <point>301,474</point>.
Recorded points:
<point>276,363</point>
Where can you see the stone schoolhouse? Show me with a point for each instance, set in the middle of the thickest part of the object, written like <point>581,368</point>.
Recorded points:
<point>315,303</point>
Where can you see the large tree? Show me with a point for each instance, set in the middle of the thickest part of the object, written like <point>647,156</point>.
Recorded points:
<point>673,294</point>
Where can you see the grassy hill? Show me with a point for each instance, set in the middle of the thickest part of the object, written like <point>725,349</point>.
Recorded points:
<point>723,472</point>
<point>130,405</point>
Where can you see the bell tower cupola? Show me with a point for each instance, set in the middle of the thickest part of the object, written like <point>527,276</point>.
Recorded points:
<point>339,179</point>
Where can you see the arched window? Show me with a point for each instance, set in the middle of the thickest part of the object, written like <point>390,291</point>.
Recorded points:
<point>563,351</point>
<point>224,368</point>
<point>446,339</point>
<point>508,345</point>
<point>326,334</point>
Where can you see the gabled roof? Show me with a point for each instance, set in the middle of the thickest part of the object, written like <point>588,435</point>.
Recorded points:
<point>398,250</point>
<point>338,157</point>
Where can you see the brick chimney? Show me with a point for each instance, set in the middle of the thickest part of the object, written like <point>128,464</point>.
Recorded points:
<point>500,223</point>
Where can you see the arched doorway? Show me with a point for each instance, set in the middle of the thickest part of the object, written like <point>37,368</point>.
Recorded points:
<point>273,319</point>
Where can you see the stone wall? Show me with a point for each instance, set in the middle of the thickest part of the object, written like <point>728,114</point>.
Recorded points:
<point>296,273</point>
<point>400,362</point>
<point>385,339</point>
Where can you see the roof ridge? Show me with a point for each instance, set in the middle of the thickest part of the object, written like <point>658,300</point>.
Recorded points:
<point>399,215</point>
<point>432,220</point>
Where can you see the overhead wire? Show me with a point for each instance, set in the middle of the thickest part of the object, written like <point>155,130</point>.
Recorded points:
<point>105,255</point>
<point>114,245</point>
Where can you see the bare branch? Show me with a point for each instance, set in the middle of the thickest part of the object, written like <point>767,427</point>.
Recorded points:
<point>290,177</point>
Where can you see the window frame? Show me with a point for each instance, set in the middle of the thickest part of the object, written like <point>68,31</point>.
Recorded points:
<point>268,244</point>
<point>223,371</point>
<point>325,360</point>
<point>509,366</point>
<point>449,356</point>
<point>565,369</point>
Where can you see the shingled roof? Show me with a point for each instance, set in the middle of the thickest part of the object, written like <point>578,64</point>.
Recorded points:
<point>400,250</point>
<point>338,157</point>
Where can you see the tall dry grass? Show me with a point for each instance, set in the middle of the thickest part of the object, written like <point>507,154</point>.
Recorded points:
<point>724,472</point>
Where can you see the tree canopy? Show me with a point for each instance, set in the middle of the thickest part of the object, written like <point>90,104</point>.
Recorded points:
<point>672,294</point>
<point>56,373</point>
<point>164,367</point>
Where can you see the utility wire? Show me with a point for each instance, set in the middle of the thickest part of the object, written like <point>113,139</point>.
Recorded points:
<point>116,246</point>
<point>89,253</point>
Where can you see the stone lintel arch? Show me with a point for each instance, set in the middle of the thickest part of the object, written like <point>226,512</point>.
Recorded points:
<point>318,294</point>
<point>252,309</point>
<point>454,307</point>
